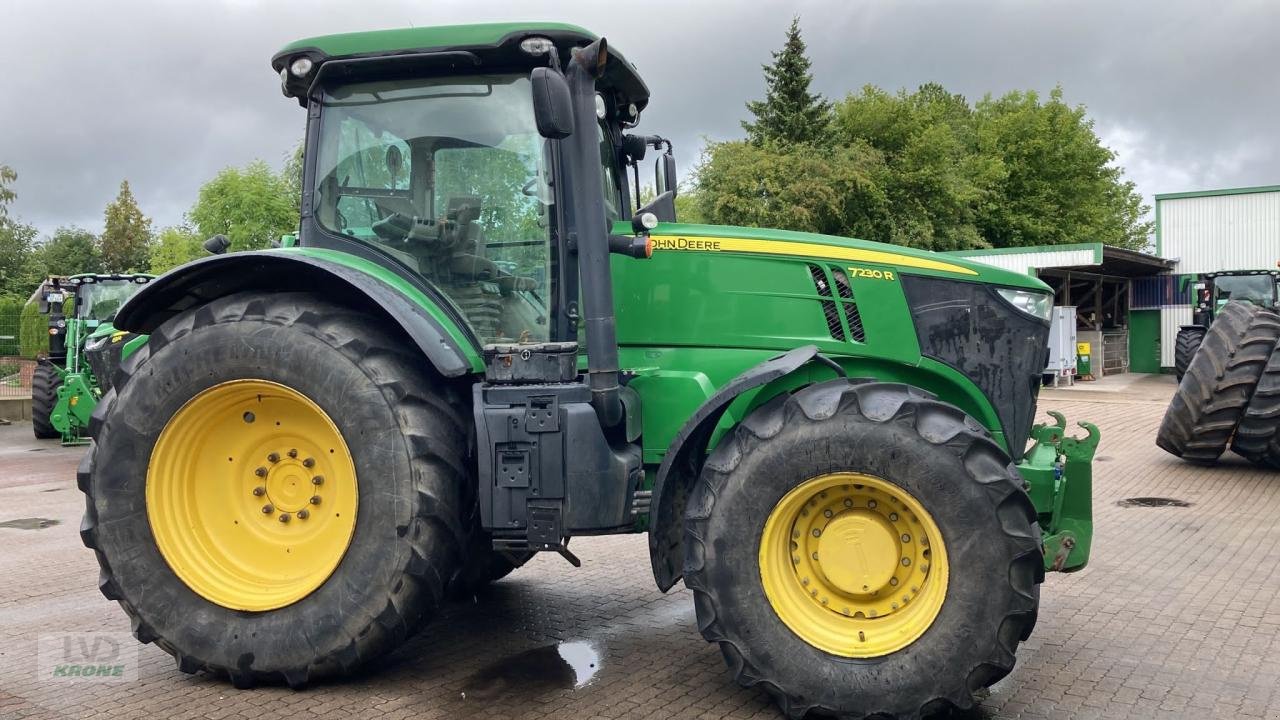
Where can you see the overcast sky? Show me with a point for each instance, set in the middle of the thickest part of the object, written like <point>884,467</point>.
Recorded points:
<point>165,94</point>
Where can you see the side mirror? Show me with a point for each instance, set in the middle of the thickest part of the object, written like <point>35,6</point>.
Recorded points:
<point>217,244</point>
<point>665,174</point>
<point>552,103</point>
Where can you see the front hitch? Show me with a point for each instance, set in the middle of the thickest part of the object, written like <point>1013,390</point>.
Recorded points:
<point>1058,471</point>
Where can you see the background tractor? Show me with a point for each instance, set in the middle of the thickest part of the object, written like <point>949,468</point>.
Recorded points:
<point>1212,291</point>
<point>84,349</point>
<point>478,347</point>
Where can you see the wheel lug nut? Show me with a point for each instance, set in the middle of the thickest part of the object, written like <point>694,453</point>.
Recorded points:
<point>303,514</point>
<point>893,517</point>
<point>267,509</point>
<point>309,462</point>
<point>260,472</point>
<point>284,517</point>
<point>293,453</point>
<point>871,503</point>
<point>274,457</point>
<point>817,532</point>
<point>259,491</point>
<point>317,480</point>
<point>315,499</point>
<point>826,513</point>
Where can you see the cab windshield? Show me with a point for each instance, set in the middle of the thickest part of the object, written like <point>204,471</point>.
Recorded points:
<point>450,177</point>
<point>1257,289</point>
<point>100,300</point>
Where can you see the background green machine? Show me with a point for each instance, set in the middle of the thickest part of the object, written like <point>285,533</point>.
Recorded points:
<point>84,348</point>
<point>481,344</point>
<point>1210,293</point>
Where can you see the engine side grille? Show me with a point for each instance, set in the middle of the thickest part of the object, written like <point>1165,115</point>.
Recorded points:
<point>850,307</point>
<point>829,309</point>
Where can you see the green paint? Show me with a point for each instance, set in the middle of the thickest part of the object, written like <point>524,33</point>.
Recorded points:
<point>1144,341</point>
<point>1059,475</point>
<point>1217,193</point>
<point>426,38</point>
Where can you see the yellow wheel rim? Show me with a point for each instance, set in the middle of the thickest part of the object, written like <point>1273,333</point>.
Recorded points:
<point>251,495</point>
<point>853,565</point>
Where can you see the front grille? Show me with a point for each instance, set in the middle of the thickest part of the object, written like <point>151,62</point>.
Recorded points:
<point>1001,349</point>
<point>845,290</point>
<point>829,309</point>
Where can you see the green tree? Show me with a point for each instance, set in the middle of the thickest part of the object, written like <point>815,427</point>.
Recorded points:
<point>793,188</point>
<point>33,331</point>
<point>1060,183</point>
<point>175,246</point>
<point>252,206</point>
<point>71,250</point>
<point>18,274</point>
<point>7,195</point>
<point>789,113</point>
<point>126,239</point>
<point>10,312</point>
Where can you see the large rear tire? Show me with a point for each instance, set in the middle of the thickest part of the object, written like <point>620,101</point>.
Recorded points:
<point>44,396</point>
<point>932,552</point>
<point>1184,350</point>
<point>1258,436</point>
<point>254,427</point>
<point>1213,395</point>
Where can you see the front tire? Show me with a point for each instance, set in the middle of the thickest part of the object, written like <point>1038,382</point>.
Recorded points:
<point>44,396</point>
<point>875,460</point>
<point>1184,349</point>
<point>200,431</point>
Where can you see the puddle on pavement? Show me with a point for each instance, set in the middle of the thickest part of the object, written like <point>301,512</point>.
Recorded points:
<point>564,666</point>
<point>1153,502</point>
<point>29,523</point>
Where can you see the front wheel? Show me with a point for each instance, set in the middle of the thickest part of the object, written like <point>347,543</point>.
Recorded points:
<point>44,396</point>
<point>274,489</point>
<point>863,550</point>
<point>1184,349</point>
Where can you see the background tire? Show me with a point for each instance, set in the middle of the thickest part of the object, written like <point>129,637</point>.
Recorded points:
<point>1213,395</point>
<point>1258,436</point>
<point>44,396</point>
<point>406,436</point>
<point>1184,350</point>
<point>942,458</point>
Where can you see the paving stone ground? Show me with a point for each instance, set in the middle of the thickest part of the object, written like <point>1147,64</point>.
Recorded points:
<point>1178,615</point>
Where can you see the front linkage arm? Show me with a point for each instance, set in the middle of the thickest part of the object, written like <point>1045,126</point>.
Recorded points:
<point>1058,471</point>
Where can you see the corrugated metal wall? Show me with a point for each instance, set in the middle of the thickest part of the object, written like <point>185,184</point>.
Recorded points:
<point>1221,232</point>
<point>1170,318</point>
<point>1020,262</point>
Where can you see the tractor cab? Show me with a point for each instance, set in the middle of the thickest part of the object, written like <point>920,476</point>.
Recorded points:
<point>1214,290</point>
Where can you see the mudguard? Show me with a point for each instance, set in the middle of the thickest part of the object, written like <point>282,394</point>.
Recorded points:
<point>683,461</point>
<point>207,279</point>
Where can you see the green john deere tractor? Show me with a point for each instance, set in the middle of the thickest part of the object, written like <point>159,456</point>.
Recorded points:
<point>1212,291</point>
<point>84,349</point>
<point>478,347</point>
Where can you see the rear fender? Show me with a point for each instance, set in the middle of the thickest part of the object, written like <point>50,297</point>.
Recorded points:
<point>419,311</point>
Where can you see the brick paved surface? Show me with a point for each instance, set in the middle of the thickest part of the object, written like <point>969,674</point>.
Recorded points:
<point>1177,616</point>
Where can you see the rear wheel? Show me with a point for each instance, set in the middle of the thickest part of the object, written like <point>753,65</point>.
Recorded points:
<point>44,396</point>
<point>275,492</point>
<point>1188,342</point>
<point>863,550</point>
<point>1213,395</point>
<point>1258,436</point>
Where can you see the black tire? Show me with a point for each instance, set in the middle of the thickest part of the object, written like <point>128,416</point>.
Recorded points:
<point>1189,340</point>
<point>948,462</point>
<point>404,427</point>
<point>483,565</point>
<point>45,382</point>
<point>1258,436</point>
<point>1213,395</point>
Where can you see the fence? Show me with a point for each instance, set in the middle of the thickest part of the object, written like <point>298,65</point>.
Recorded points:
<point>15,377</point>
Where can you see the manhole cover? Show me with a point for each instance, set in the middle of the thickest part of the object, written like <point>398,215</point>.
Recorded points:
<point>1153,502</point>
<point>29,523</point>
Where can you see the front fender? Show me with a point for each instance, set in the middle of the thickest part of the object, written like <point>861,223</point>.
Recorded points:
<point>420,311</point>
<point>683,461</point>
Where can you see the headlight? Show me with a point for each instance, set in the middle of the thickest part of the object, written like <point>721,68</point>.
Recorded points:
<point>301,66</point>
<point>96,343</point>
<point>536,45</point>
<point>1035,304</point>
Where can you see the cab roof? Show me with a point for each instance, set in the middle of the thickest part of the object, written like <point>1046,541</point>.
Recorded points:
<point>488,44</point>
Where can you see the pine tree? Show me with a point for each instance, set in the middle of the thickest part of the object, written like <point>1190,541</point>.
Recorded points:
<point>126,241</point>
<point>789,113</point>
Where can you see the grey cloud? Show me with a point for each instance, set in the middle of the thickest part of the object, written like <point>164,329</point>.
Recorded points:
<point>165,94</point>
